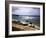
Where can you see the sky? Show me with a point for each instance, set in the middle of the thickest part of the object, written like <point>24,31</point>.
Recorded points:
<point>25,11</point>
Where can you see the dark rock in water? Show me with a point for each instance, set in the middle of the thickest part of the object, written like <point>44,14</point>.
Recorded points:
<point>25,24</point>
<point>33,26</point>
<point>30,22</point>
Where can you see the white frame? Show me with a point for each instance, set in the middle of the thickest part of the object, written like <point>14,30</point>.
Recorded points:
<point>25,32</point>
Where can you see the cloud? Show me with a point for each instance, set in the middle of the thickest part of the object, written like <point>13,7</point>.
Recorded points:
<point>26,11</point>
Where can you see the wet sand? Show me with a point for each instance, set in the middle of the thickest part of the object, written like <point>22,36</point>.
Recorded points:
<point>22,27</point>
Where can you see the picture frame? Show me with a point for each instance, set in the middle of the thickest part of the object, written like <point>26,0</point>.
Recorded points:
<point>20,5</point>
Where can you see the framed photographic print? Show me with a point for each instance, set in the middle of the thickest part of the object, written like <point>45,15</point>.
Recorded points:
<point>24,18</point>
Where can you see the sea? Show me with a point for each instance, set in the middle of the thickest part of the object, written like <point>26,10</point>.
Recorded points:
<point>34,19</point>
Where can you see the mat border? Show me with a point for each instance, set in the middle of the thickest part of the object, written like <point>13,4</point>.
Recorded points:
<point>6,18</point>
